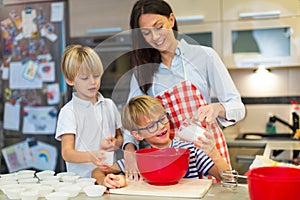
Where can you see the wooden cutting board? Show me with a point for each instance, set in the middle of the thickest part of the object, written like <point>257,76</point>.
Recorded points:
<point>188,188</point>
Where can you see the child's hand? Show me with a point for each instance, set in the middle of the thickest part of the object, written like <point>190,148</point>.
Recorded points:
<point>97,157</point>
<point>108,144</point>
<point>113,181</point>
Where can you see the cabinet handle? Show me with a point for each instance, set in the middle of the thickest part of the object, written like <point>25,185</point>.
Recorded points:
<point>104,30</point>
<point>190,18</point>
<point>261,15</point>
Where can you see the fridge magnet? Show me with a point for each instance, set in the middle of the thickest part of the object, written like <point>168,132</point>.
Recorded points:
<point>30,70</point>
<point>57,11</point>
<point>32,49</point>
<point>9,27</point>
<point>5,72</point>
<point>16,19</point>
<point>29,27</point>
<point>47,71</point>
<point>11,116</point>
<point>17,79</point>
<point>41,19</point>
<point>17,54</point>
<point>7,35</point>
<point>53,94</point>
<point>30,98</point>
<point>19,37</point>
<point>44,156</point>
<point>17,156</point>
<point>48,31</point>
<point>42,47</point>
<point>39,120</point>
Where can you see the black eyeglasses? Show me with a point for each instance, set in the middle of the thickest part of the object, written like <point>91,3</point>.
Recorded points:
<point>153,127</point>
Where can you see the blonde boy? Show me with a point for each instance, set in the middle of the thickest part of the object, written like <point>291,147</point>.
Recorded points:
<point>89,122</point>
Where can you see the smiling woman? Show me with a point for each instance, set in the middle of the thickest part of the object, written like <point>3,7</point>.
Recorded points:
<point>179,74</point>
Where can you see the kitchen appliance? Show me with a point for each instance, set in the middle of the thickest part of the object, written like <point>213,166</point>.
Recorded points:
<point>253,41</point>
<point>33,36</point>
<point>207,34</point>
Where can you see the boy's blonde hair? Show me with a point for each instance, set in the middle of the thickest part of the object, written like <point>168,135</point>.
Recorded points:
<point>139,108</point>
<point>77,59</point>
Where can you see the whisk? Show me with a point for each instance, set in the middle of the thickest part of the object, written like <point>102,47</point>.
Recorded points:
<point>230,178</point>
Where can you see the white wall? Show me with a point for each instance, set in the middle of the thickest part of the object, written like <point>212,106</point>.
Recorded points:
<point>279,82</point>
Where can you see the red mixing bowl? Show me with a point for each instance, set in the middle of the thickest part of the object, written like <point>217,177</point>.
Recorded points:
<point>276,183</point>
<point>163,166</point>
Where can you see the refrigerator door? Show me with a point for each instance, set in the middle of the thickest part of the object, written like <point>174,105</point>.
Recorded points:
<point>33,38</point>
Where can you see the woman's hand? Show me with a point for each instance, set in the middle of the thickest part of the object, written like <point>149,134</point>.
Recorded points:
<point>210,112</point>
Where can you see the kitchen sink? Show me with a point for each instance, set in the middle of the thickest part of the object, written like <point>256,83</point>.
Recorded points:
<point>265,136</point>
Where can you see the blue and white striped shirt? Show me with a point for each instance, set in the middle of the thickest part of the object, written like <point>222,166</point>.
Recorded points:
<point>199,161</point>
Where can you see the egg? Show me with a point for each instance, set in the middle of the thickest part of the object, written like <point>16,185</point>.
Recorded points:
<point>122,180</point>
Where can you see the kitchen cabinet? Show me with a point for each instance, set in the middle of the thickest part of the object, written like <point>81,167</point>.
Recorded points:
<point>268,42</point>
<point>242,157</point>
<point>99,17</point>
<point>193,10</point>
<point>260,33</point>
<point>199,20</point>
<point>237,9</point>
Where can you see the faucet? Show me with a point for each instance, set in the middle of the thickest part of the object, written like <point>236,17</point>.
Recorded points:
<point>293,127</point>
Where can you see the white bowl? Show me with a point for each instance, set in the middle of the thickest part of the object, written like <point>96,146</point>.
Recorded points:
<point>109,157</point>
<point>28,186</point>
<point>49,182</point>
<point>45,173</point>
<point>69,178</point>
<point>14,192</point>
<point>57,196</point>
<point>94,190</point>
<point>50,177</point>
<point>11,176</point>
<point>83,184</point>
<point>61,174</point>
<point>25,176</point>
<point>26,171</point>
<point>93,180</point>
<point>32,194</point>
<point>7,182</point>
<point>61,184</point>
<point>73,190</point>
<point>45,189</point>
<point>9,186</point>
<point>28,180</point>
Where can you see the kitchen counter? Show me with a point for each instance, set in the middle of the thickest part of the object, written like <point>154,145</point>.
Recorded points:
<point>215,192</point>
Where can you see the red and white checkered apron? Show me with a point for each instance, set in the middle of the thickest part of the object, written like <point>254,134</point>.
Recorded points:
<point>181,102</point>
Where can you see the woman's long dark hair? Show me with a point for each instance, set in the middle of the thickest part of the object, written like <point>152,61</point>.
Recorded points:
<point>145,59</point>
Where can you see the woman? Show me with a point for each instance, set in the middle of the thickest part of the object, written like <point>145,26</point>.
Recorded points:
<point>179,74</point>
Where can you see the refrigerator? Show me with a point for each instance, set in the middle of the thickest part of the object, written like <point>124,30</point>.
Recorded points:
<point>33,37</point>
